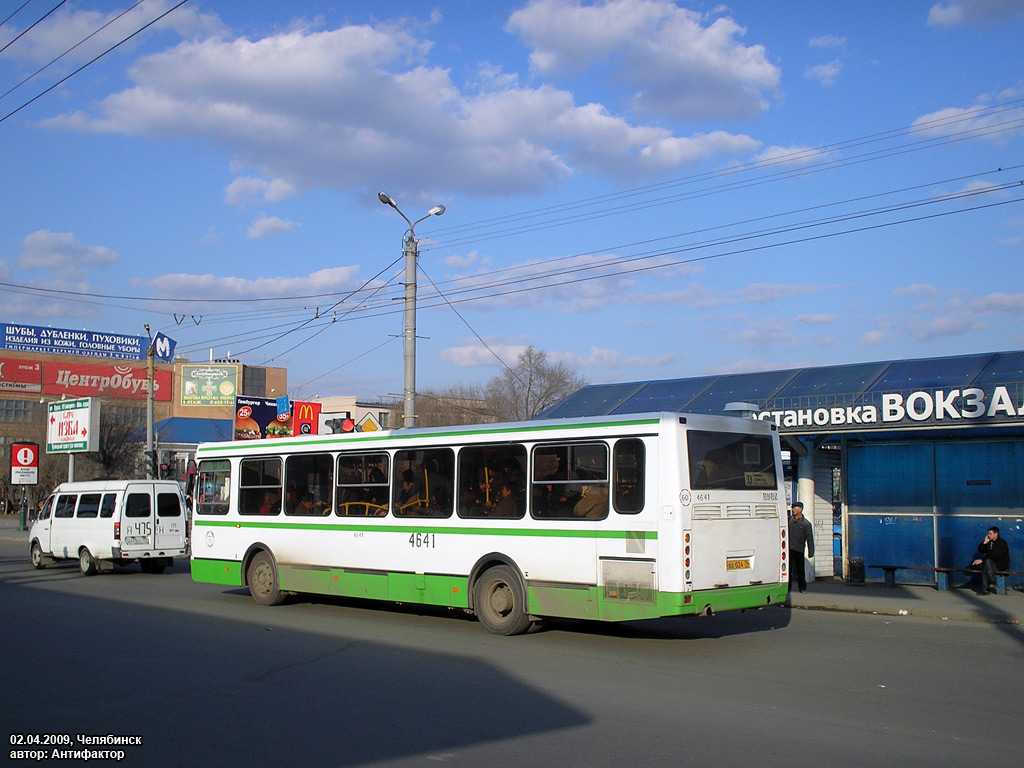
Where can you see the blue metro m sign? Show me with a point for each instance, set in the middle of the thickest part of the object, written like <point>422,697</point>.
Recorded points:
<point>163,348</point>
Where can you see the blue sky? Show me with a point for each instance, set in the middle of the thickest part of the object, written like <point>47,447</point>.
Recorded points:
<point>642,189</point>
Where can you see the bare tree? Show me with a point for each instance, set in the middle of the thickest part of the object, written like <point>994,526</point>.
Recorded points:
<point>460,404</point>
<point>119,446</point>
<point>533,384</point>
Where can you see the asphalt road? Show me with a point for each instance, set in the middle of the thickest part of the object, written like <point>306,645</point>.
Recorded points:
<point>207,677</point>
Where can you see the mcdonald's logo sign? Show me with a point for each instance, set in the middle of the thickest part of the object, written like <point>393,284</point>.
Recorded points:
<point>305,418</point>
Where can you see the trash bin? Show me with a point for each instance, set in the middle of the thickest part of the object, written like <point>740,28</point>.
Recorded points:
<point>856,570</point>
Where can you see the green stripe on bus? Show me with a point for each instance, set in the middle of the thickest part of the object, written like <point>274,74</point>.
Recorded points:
<point>576,601</point>
<point>227,572</point>
<point>570,533</point>
<point>370,437</point>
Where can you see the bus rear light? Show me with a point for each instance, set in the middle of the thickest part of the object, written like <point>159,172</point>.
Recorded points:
<point>686,537</point>
<point>687,550</point>
<point>687,562</point>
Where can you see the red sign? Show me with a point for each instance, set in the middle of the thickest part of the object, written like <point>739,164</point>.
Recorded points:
<point>306,418</point>
<point>120,381</point>
<point>24,464</point>
<point>21,375</point>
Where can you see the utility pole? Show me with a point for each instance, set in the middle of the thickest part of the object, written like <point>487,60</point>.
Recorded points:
<point>410,247</point>
<point>150,456</point>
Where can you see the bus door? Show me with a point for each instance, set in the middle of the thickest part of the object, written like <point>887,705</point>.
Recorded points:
<point>44,525</point>
<point>137,519</point>
<point>170,521</point>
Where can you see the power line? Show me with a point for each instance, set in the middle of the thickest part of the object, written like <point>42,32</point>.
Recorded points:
<point>93,60</point>
<point>32,26</point>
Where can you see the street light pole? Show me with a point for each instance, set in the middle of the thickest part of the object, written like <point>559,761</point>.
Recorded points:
<point>150,353</point>
<point>410,247</point>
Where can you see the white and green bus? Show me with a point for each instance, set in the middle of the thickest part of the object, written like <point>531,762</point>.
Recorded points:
<point>609,518</point>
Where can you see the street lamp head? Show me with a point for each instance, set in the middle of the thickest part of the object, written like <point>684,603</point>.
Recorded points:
<point>386,199</point>
<point>437,210</point>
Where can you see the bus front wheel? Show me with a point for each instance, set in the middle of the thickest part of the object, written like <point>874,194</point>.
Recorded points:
<point>500,602</point>
<point>262,578</point>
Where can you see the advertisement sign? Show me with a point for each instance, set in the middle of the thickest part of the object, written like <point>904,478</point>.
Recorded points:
<point>20,375</point>
<point>73,426</point>
<point>120,381</point>
<point>257,417</point>
<point>306,418</point>
<point>205,385</point>
<point>24,464</point>
<point>67,341</point>
<point>163,348</point>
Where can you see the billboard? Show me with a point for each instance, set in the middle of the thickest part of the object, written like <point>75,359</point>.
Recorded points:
<point>73,426</point>
<point>68,341</point>
<point>121,381</point>
<point>212,384</point>
<point>258,417</point>
<point>20,375</point>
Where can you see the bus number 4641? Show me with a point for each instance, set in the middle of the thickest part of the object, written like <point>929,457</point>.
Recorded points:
<point>422,540</point>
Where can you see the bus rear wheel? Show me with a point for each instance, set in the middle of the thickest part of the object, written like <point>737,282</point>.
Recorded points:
<point>262,577</point>
<point>500,602</point>
<point>86,562</point>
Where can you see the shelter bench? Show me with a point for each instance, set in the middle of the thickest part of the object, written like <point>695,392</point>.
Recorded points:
<point>942,575</point>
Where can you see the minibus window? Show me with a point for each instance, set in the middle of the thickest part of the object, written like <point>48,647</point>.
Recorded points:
<point>138,505</point>
<point>88,505</point>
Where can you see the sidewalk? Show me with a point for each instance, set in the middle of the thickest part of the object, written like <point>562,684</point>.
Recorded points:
<point>832,595</point>
<point>959,604</point>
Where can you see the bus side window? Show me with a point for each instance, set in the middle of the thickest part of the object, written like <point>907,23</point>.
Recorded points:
<point>570,481</point>
<point>629,464</point>
<point>213,488</point>
<point>424,482</point>
<point>259,486</point>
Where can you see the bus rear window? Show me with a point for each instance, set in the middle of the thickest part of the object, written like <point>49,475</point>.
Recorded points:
<point>727,461</point>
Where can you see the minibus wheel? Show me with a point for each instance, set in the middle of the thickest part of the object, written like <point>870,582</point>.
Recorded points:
<point>86,563</point>
<point>262,577</point>
<point>36,556</point>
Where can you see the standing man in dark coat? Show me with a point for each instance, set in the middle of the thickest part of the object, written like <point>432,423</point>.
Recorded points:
<point>800,534</point>
<point>993,555</point>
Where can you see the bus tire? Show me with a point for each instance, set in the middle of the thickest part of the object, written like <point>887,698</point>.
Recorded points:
<point>86,562</point>
<point>262,578</point>
<point>36,556</point>
<point>499,599</point>
<point>153,566</point>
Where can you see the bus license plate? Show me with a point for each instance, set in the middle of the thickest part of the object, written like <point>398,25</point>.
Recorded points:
<point>738,564</point>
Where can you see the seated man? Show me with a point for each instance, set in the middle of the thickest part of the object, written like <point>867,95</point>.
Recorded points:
<point>593,503</point>
<point>993,555</point>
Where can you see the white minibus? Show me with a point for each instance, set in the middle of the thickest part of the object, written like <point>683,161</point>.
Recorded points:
<point>104,523</point>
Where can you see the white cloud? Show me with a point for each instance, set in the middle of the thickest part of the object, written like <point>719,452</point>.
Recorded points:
<point>992,125</point>
<point>332,108</point>
<point>474,355</point>
<point>663,55</point>
<point>918,290</point>
<point>872,338</point>
<point>268,226</point>
<point>212,287</point>
<point>954,13</point>
<point>246,190</point>
<point>61,252</point>
<point>826,74</point>
<point>69,26</point>
<point>594,358</point>
<point>763,292</point>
